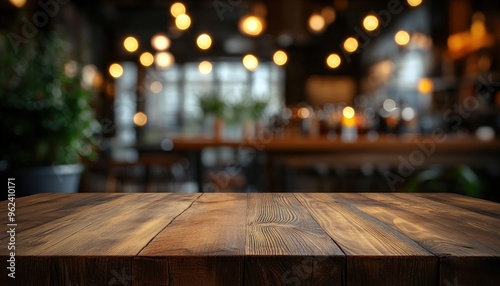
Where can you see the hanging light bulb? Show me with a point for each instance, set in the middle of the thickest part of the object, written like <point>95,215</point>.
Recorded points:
<point>251,25</point>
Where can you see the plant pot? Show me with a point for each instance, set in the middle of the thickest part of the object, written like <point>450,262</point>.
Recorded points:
<point>46,179</point>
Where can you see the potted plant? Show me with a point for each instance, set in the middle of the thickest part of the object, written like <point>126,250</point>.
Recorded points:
<point>47,121</point>
<point>213,112</point>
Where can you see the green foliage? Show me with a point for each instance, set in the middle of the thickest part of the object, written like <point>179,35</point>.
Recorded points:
<point>460,179</point>
<point>211,104</point>
<point>45,115</point>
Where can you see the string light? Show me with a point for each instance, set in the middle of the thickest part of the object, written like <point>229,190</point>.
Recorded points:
<point>204,41</point>
<point>116,70</point>
<point>280,58</point>
<point>250,62</point>
<point>131,44</point>
<point>333,61</point>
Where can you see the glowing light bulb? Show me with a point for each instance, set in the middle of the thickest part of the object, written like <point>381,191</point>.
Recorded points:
<point>370,23</point>
<point>183,22</point>
<point>414,3</point>
<point>160,42</point>
<point>333,61</point>
<point>251,25</point>
<point>116,70</point>
<point>250,62</point>
<point>351,45</point>
<point>280,58</point>
<point>140,119</point>
<point>204,41</point>
<point>177,9</point>
<point>146,59</point>
<point>131,44</point>
<point>402,38</point>
<point>316,23</point>
<point>205,67</point>
<point>164,60</point>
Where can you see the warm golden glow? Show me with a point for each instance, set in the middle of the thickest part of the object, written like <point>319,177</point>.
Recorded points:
<point>250,62</point>
<point>131,44</point>
<point>160,42</point>
<point>303,112</point>
<point>351,45</point>
<point>140,119</point>
<point>156,87</point>
<point>456,42</point>
<point>328,13</point>
<point>280,58</point>
<point>251,25</point>
<point>18,3</point>
<point>204,41</point>
<point>425,86</point>
<point>414,3</point>
<point>116,70</point>
<point>164,60</point>
<point>177,9</point>
<point>348,112</point>
<point>478,29</point>
<point>205,67</point>
<point>333,61</point>
<point>316,23</point>
<point>146,59</point>
<point>183,22</point>
<point>370,23</point>
<point>402,38</point>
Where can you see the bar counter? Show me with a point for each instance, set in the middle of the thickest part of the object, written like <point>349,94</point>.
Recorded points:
<point>253,239</point>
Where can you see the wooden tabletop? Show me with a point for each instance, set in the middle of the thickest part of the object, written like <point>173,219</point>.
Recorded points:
<point>253,239</point>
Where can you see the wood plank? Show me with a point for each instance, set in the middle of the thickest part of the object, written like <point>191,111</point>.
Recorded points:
<point>438,237</point>
<point>377,250</point>
<point>52,206</point>
<point>472,204</point>
<point>285,244</point>
<point>483,228</point>
<point>203,246</point>
<point>95,245</point>
<point>100,229</point>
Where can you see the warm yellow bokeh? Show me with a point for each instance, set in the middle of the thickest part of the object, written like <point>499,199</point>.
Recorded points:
<point>333,61</point>
<point>250,62</point>
<point>280,58</point>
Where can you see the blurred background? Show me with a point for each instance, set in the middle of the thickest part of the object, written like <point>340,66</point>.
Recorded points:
<point>252,96</point>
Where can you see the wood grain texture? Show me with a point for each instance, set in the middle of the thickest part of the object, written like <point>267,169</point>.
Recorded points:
<point>472,204</point>
<point>33,213</point>
<point>436,234</point>
<point>281,237</point>
<point>120,226</point>
<point>203,246</point>
<point>373,249</point>
<point>483,228</point>
<point>93,243</point>
<point>255,239</point>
